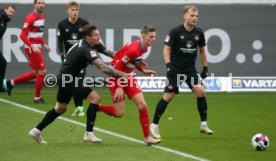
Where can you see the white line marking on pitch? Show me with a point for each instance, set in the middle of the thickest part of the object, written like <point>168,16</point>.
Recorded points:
<point>107,132</point>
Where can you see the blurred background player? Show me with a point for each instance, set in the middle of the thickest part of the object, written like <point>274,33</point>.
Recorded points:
<point>69,33</point>
<point>32,36</point>
<point>127,59</point>
<point>180,52</point>
<point>79,56</point>
<point>6,15</point>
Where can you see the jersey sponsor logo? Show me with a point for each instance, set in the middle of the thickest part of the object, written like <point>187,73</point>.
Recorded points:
<point>196,37</point>
<point>39,23</point>
<point>125,59</point>
<point>25,25</point>
<point>74,36</point>
<point>167,38</point>
<point>93,53</point>
<point>189,44</point>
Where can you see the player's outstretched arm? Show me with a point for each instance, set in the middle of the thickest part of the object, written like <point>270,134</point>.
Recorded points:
<point>108,70</point>
<point>109,53</point>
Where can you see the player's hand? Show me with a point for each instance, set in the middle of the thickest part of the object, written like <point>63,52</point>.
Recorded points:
<point>47,48</point>
<point>150,72</point>
<point>35,49</point>
<point>119,94</point>
<point>143,64</point>
<point>170,69</point>
<point>204,73</point>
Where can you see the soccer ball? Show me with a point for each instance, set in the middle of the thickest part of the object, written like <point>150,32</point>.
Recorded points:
<point>260,142</point>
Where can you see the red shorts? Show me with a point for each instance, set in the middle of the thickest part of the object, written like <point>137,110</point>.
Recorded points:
<point>130,89</point>
<point>36,59</point>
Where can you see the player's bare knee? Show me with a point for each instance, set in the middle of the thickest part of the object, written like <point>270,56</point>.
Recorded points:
<point>60,108</point>
<point>199,91</point>
<point>94,98</point>
<point>168,96</point>
<point>119,113</point>
<point>43,71</point>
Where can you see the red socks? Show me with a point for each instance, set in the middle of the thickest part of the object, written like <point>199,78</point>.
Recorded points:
<point>109,110</point>
<point>39,82</point>
<point>144,121</point>
<point>24,77</point>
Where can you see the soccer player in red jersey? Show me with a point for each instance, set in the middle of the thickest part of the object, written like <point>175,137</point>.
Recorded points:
<point>127,59</point>
<point>32,36</point>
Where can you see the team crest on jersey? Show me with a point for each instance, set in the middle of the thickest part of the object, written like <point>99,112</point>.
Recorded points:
<point>66,30</point>
<point>80,29</point>
<point>25,25</point>
<point>125,59</point>
<point>181,37</point>
<point>93,53</point>
<point>196,38</point>
<point>167,38</point>
<point>74,36</point>
<point>189,44</point>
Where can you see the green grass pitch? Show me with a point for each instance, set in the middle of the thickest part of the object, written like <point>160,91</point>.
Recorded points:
<point>234,117</point>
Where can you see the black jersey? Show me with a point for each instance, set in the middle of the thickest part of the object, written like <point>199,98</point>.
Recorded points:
<point>184,46</point>
<point>4,19</point>
<point>69,33</point>
<point>79,57</point>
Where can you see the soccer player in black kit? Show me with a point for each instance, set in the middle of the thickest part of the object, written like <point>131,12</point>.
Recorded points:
<point>69,33</point>
<point>180,52</point>
<point>78,57</point>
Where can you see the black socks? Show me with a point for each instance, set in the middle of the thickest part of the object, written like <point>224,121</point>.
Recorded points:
<point>202,108</point>
<point>91,116</point>
<point>48,118</point>
<point>160,108</point>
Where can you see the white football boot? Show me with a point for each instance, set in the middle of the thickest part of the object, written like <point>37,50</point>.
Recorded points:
<point>154,130</point>
<point>205,130</point>
<point>90,137</point>
<point>151,141</point>
<point>36,135</point>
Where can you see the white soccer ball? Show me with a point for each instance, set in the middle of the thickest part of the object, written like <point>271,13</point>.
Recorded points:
<point>260,142</point>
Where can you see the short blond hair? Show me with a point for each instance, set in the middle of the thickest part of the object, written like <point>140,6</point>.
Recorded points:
<point>188,7</point>
<point>73,4</point>
<point>147,29</point>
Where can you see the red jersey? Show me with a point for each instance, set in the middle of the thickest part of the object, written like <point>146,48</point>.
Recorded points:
<point>128,57</point>
<point>32,31</point>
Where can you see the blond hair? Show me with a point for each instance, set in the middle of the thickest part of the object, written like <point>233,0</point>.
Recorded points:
<point>73,4</point>
<point>188,7</point>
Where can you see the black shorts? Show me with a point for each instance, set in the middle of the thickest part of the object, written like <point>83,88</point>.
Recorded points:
<point>190,78</point>
<point>65,93</point>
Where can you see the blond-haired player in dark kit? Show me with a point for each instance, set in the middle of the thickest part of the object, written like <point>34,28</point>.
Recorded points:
<point>180,52</point>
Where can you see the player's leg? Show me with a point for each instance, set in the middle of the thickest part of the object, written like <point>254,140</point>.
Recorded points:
<point>3,65</point>
<point>196,85</point>
<point>140,102</point>
<point>34,64</point>
<point>19,79</point>
<point>77,100</point>
<point>94,99</point>
<point>39,83</point>
<point>118,110</point>
<point>170,90</point>
<point>64,96</point>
